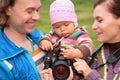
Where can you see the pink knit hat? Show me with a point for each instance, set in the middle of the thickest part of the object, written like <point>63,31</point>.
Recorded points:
<point>62,10</point>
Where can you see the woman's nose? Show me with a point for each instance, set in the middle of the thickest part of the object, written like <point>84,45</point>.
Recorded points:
<point>94,26</point>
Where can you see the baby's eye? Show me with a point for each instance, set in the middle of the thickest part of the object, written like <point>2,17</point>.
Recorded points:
<point>67,24</point>
<point>56,26</point>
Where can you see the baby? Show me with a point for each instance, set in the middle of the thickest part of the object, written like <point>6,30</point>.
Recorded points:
<point>65,32</point>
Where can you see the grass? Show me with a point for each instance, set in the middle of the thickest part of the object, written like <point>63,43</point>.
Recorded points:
<point>84,11</point>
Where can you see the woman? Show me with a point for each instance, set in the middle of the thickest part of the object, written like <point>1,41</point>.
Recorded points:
<point>107,27</point>
<point>18,59</point>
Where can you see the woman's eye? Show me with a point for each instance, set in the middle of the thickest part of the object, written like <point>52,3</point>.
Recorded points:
<point>100,21</point>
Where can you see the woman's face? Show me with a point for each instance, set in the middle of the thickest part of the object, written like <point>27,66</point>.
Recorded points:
<point>64,28</point>
<point>106,26</point>
<point>23,15</point>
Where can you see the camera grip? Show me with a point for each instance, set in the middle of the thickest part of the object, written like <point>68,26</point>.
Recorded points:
<point>47,62</point>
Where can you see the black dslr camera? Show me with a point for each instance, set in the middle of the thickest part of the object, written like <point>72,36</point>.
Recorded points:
<point>59,65</point>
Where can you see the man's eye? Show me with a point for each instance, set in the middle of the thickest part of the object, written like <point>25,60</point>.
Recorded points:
<point>30,11</point>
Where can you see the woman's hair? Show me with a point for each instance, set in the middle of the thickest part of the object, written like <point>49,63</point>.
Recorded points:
<point>4,4</point>
<point>113,6</point>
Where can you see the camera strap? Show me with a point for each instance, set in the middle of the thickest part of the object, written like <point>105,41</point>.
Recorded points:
<point>111,58</point>
<point>95,53</point>
<point>58,41</point>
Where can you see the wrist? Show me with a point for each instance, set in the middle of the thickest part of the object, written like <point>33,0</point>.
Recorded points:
<point>87,72</point>
<point>79,55</point>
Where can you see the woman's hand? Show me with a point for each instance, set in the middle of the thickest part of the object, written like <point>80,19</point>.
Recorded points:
<point>82,67</point>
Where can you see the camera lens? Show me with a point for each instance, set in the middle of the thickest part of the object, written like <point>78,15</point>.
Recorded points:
<point>61,70</point>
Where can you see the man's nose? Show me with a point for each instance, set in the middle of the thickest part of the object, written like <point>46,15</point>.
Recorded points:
<point>36,16</point>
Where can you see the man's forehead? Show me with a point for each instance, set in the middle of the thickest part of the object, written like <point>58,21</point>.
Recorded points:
<point>35,3</point>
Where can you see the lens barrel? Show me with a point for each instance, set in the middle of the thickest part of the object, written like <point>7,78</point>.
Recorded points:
<point>61,70</point>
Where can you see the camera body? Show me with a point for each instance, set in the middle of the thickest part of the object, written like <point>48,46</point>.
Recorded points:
<point>59,65</point>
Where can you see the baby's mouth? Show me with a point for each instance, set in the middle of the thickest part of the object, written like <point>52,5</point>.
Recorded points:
<point>65,35</point>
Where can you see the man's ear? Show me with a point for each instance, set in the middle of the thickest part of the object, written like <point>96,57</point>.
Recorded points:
<point>8,11</point>
<point>118,21</point>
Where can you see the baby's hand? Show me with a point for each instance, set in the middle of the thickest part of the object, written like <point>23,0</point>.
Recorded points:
<point>71,52</point>
<point>46,45</point>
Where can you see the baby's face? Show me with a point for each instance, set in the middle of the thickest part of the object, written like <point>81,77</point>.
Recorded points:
<point>64,28</point>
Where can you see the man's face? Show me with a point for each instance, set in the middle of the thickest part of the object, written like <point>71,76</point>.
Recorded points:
<point>23,15</point>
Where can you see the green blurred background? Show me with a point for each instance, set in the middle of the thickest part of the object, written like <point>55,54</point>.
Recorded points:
<point>84,11</point>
